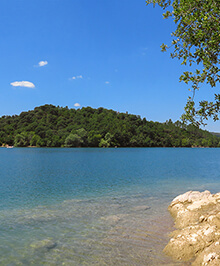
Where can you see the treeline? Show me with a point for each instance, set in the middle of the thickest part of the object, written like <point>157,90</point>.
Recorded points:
<point>51,126</point>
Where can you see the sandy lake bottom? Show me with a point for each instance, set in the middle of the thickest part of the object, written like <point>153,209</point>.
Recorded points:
<point>95,206</point>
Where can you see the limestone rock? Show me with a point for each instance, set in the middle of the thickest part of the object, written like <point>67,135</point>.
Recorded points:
<point>197,219</point>
<point>209,256</point>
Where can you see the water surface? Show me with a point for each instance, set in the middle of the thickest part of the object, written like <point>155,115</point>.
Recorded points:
<point>95,206</point>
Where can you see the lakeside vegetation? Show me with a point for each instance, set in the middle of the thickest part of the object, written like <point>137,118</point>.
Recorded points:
<point>51,126</point>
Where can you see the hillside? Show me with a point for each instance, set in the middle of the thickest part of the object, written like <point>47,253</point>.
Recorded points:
<point>51,126</point>
<point>215,134</point>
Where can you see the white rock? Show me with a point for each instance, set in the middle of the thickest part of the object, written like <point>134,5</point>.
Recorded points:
<point>210,257</point>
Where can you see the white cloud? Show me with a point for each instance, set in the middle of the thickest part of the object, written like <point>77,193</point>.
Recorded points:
<point>26,84</point>
<point>77,105</point>
<point>42,63</point>
<point>107,82</point>
<point>77,77</point>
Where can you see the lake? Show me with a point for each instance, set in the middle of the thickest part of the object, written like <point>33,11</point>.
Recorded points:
<point>88,206</point>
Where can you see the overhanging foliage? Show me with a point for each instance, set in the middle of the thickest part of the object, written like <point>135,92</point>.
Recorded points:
<point>196,42</point>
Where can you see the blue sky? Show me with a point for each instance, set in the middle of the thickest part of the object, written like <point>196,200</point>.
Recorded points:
<point>95,53</point>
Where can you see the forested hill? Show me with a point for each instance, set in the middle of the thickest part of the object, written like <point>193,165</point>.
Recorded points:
<point>51,126</point>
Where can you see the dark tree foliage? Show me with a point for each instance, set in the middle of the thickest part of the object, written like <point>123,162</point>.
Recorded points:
<point>51,126</point>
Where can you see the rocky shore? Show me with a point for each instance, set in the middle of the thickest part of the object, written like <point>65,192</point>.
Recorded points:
<point>197,220</point>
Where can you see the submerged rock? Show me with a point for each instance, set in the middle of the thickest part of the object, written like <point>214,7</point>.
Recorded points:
<point>45,244</point>
<point>197,219</point>
<point>141,208</point>
<point>113,218</point>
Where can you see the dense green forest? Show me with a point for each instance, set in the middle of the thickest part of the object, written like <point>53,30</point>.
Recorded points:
<point>51,126</point>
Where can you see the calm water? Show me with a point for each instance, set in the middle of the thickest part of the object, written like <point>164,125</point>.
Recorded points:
<point>95,206</point>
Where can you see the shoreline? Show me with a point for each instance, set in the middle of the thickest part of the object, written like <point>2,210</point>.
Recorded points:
<point>8,146</point>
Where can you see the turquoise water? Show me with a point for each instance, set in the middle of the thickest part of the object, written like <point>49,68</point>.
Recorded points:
<point>95,206</point>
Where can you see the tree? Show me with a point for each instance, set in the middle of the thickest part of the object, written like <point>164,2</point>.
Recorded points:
<point>35,140</point>
<point>196,41</point>
<point>107,141</point>
<point>73,140</point>
<point>21,140</point>
<point>94,138</point>
<point>82,133</point>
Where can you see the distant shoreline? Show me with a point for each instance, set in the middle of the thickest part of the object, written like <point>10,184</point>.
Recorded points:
<point>51,126</point>
<point>112,147</point>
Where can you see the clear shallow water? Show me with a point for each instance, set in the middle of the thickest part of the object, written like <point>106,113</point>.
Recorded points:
<point>95,206</point>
